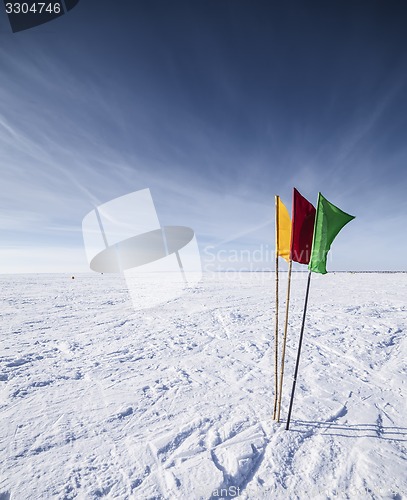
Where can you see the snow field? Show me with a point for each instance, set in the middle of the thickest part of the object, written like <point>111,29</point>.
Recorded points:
<point>175,402</point>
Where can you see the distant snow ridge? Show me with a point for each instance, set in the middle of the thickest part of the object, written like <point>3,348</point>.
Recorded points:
<point>124,236</point>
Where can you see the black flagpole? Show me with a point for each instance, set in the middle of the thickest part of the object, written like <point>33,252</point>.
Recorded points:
<point>298,353</point>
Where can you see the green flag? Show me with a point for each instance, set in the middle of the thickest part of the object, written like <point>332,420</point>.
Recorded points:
<point>329,220</point>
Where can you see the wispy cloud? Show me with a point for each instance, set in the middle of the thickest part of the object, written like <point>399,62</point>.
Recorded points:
<point>211,130</point>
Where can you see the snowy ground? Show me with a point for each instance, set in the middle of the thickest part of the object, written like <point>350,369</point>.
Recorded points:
<point>175,402</point>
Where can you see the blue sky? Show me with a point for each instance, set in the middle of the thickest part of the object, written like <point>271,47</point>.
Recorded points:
<point>216,106</point>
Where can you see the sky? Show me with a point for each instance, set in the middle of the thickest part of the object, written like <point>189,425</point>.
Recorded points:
<point>215,106</point>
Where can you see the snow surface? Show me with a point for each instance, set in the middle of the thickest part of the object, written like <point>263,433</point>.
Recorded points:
<point>175,402</point>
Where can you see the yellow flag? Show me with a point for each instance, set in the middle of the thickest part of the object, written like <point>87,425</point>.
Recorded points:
<point>283,230</point>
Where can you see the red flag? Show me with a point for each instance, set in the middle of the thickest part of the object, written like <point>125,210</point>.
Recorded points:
<point>303,218</point>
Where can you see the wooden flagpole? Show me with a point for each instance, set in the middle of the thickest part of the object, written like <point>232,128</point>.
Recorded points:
<point>298,353</point>
<point>287,304</point>
<point>276,321</point>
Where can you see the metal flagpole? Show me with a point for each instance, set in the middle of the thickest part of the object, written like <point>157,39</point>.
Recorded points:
<point>298,353</point>
<point>287,304</point>
<point>276,322</point>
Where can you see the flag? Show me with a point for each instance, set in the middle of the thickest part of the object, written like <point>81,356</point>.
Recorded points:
<point>302,228</point>
<point>283,230</point>
<point>328,222</point>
